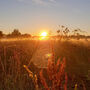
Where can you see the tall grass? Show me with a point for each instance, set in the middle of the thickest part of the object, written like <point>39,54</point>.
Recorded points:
<point>13,55</point>
<point>69,73</point>
<point>56,74</point>
<point>77,55</point>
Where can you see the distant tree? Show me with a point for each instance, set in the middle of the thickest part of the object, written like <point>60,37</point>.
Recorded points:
<point>26,35</point>
<point>1,34</point>
<point>9,35</point>
<point>15,33</point>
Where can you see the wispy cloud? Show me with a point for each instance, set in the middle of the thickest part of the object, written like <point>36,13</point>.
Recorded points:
<point>38,1</point>
<point>41,2</point>
<point>45,2</point>
<point>20,0</point>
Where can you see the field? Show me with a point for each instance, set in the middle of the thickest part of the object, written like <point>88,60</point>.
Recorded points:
<point>22,63</point>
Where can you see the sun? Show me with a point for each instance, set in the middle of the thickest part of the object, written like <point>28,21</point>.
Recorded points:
<point>44,34</point>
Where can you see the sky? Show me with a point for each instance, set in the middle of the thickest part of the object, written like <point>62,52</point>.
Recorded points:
<point>34,16</point>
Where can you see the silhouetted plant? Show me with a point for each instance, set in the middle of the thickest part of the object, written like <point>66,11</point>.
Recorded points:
<point>56,73</point>
<point>58,31</point>
<point>66,31</point>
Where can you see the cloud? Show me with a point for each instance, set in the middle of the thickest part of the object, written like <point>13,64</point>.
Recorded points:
<point>20,0</point>
<point>43,1</point>
<point>52,0</point>
<point>38,1</point>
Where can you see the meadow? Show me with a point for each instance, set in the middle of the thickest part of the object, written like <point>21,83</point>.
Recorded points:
<point>69,62</point>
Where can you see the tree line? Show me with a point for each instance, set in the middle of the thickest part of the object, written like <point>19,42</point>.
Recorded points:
<point>14,34</point>
<point>62,32</point>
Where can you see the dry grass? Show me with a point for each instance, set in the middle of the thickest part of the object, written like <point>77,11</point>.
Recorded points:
<point>56,74</point>
<point>13,55</point>
<point>61,74</point>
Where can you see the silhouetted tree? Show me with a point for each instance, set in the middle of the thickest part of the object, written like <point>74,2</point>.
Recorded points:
<point>26,35</point>
<point>15,33</point>
<point>9,35</point>
<point>1,34</point>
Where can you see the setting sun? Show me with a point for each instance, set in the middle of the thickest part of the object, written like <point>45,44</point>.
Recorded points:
<point>44,34</point>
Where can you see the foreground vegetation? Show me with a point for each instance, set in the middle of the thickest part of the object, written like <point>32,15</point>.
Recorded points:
<point>68,68</point>
<point>77,56</point>
<point>13,55</point>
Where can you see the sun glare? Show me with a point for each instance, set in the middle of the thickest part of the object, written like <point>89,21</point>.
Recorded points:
<point>44,34</point>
